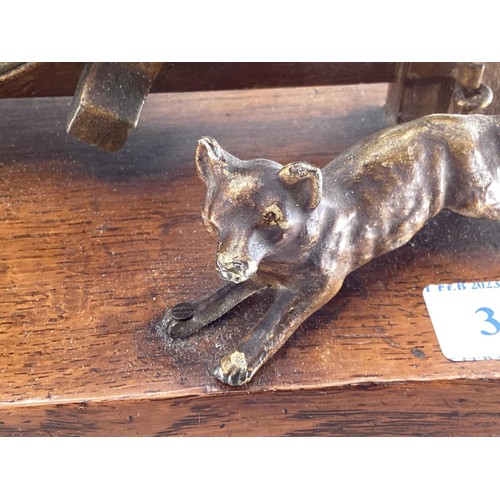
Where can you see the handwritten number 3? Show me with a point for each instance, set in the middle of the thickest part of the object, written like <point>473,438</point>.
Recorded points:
<point>490,319</point>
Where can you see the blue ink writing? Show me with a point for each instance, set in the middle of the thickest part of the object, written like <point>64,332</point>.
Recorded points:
<point>489,319</point>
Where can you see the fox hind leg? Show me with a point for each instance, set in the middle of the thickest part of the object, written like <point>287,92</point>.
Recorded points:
<point>482,199</point>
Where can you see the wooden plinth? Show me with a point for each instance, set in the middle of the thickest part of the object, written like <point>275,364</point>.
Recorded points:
<point>94,246</point>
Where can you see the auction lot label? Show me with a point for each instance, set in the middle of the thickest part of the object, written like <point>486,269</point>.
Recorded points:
<point>466,319</point>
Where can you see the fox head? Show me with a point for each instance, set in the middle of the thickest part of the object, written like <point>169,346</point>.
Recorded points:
<point>256,209</point>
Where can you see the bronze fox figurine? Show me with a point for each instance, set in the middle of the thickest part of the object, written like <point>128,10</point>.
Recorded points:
<point>301,229</point>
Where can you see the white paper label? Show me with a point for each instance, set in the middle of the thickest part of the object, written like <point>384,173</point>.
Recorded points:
<point>466,319</point>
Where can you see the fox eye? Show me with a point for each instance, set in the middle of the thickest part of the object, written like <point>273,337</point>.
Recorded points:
<point>272,216</point>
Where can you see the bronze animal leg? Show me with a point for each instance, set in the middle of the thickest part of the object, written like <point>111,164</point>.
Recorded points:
<point>288,311</point>
<point>187,318</point>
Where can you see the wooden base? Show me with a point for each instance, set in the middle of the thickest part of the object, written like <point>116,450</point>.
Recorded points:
<point>94,246</point>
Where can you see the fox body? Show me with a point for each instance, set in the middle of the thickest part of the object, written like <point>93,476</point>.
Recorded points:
<point>300,229</point>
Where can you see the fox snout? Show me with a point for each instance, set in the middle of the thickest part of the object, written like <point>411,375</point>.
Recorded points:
<point>235,270</point>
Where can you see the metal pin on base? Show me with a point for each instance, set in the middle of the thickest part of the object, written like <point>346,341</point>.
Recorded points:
<point>182,311</point>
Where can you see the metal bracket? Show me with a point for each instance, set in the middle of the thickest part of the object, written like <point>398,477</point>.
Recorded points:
<point>470,95</point>
<point>108,102</point>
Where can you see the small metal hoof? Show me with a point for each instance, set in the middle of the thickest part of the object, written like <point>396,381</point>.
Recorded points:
<point>233,369</point>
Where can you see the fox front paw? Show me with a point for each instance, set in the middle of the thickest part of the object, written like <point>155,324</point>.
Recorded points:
<point>178,322</point>
<point>233,369</point>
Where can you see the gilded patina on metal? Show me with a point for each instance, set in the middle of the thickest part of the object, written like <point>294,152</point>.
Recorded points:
<point>11,70</point>
<point>108,102</point>
<point>301,230</point>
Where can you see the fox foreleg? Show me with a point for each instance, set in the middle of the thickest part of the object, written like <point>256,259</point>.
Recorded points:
<point>187,318</point>
<point>288,311</point>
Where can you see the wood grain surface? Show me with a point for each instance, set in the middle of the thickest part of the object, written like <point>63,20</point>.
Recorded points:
<point>60,79</point>
<point>94,246</point>
<point>459,408</point>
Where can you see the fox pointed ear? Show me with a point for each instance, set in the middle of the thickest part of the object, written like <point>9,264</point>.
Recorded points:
<point>209,158</point>
<point>306,179</point>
